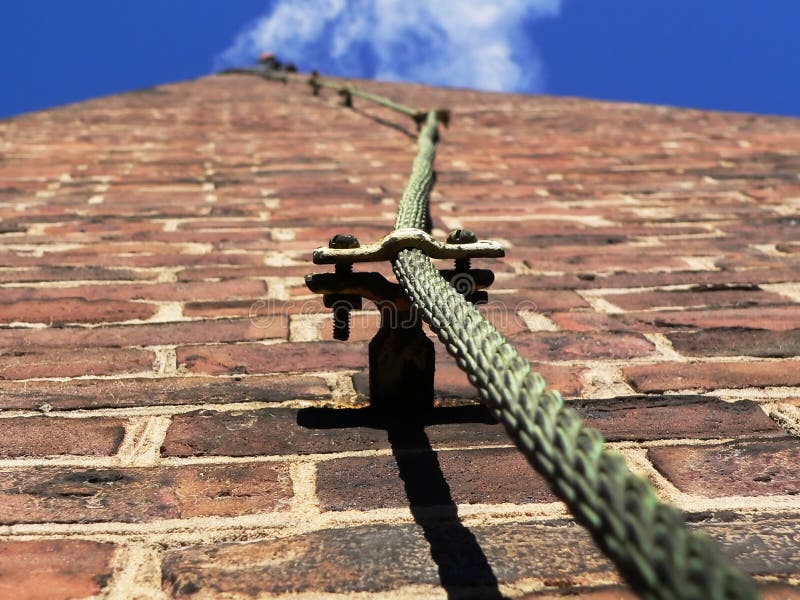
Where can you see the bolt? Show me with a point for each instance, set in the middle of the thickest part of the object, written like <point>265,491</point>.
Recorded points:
<point>341,321</point>
<point>313,81</point>
<point>462,236</point>
<point>343,241</point>
<point>343,304</point>
<point>347,97</point>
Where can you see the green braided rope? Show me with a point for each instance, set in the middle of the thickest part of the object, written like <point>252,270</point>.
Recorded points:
<point>647,539</point>
<point>411,212</point>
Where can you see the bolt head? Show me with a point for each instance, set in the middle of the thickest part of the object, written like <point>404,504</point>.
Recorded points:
<point>343,241</point>
<point>462,236</point>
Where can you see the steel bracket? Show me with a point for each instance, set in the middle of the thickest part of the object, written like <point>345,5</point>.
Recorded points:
<point>401,356</point>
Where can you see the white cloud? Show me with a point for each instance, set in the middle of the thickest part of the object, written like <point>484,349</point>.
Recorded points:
<point>465,43</point>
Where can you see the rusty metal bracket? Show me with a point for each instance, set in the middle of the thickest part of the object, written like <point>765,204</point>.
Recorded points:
<point>387,248</point>
<point>401,357</point>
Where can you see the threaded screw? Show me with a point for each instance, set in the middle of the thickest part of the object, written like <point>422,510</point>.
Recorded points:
<point>462,236</point>
<point>345,304</point>
<point>341,321</point>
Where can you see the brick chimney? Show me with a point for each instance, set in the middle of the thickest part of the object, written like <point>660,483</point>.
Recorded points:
<point>177,421</point>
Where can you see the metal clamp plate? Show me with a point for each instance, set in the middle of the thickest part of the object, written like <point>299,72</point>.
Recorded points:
<point>401,239</point>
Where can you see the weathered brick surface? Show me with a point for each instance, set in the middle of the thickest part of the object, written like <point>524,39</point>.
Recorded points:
<point>75,495</point>
<point>769,591</point>
<point>155,291</point>
<point>698,297</point>
<point>762,468</point>
<point>588,346</point>
<point>41,436</point>
<point>73,310</point>
<point>150,334</point>
<point>193,238</point>
<point>679,376</point>
<point>452,382</point>
<point>41,361</point>
<point>134,391</point>
<point>276,358</point>
<point>737,342</point>
<point>323,430</point>
<point>777,318</point>
<point>367,559</point>
<point>54,569</point>
<point>664,417</point>
<point>415,478</point>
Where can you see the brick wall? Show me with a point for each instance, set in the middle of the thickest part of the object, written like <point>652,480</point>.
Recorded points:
<point>176,421</point>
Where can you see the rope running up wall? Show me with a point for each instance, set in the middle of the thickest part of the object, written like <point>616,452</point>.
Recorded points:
<point>648,540</point>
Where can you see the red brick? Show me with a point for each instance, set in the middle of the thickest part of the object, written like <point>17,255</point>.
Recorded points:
<point>708,376</point>
<point>450,382</point>
<point>239,272</point>
<point>725,296</point>
<point>74,310</point>
<point>134,391</point>
<point>257,309</point>
<point>149,334</point>
<point>788,247</point>
<point>581,346</point>
<point>617,592</point>
<point>472,476</point>
<point>38,274</point>
<point>42,436</point>
<point>30,362</point>
<point>365,559</point>
<point>99,256</point>
<point>246,288</point>
<point>54,569</point>
<point>590,259</point>
<point>265,432</point>
<point>777,318</point>
<point>74,495</point>
<point>724,341</point>
<point>769,591</point>
<point>537,300</point>
<point>624,279</point>
<point>323,430</point>
<point>780,591</point>
<point>273,358</point>
<point>319,430</point>
<point>664,417</point>
<point>593,321</point>
<point>762,468</point>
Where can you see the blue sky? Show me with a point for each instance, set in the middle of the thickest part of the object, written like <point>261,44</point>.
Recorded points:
<point>722,54</point>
